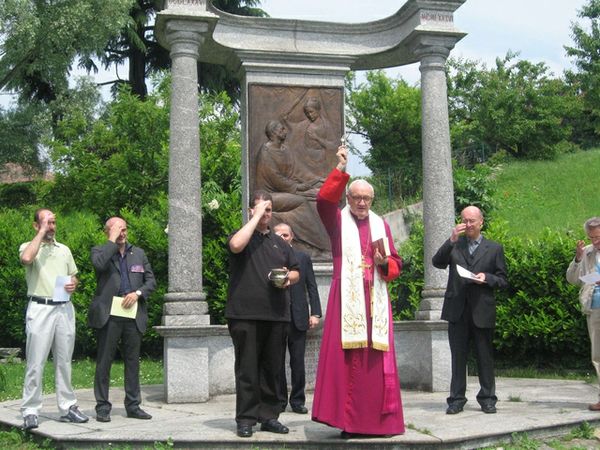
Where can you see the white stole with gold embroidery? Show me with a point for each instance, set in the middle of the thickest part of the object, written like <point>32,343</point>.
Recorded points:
<point>354,317</point>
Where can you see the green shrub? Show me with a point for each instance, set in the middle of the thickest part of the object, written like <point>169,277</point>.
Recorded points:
<point>17,194</point>
<point>406,290</point>
<point>539,319</point>
<point>474,186</point>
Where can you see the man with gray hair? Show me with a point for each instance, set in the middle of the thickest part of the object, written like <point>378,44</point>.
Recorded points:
<point>587,262</point>
<point>357,387</point>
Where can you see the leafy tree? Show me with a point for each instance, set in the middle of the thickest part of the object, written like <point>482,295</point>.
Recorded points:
<point>387,113</point>
<point>42,40</point>
<point>21,132</point>
<point>515,106</point>
<point>586,54</point>
<point>117,161</point>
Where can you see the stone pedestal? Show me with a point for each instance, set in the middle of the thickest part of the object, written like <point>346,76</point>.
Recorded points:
<point>198,363</point>
<point>423,354</point>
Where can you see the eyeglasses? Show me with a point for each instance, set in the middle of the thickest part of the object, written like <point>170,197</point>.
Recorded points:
<point>359,198</point>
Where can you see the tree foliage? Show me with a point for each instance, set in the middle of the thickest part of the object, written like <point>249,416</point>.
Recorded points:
<point>515,106</point>
<point>586,55</point>
<point>22,130</point>
<point>387,114</point>
<point>42,40</point>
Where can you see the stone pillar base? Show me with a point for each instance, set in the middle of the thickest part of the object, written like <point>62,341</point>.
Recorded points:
<point>198,362</point>
<point>185,313</point>
<point>423,355</point>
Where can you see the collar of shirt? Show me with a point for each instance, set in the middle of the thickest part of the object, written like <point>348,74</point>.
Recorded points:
<point>475,241</point>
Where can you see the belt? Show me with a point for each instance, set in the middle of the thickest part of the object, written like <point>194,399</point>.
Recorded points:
<point>44,300</point>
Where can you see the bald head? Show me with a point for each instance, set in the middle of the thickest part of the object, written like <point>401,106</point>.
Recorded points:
<point>472,217</point>
<point>284,231</point>
<point>116,231</point>
<point>360,196</point>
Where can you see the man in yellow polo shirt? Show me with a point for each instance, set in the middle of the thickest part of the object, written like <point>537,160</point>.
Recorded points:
<point>50,320</point>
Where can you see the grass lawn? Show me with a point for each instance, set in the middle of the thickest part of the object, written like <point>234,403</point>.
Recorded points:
<point>532,195</point>
<point>151,372</point>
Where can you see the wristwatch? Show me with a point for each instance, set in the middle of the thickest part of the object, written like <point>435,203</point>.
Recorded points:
<point>138,293</point>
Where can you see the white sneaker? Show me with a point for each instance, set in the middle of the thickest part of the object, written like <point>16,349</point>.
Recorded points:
<point>30,421</point>
<point>75,416</point>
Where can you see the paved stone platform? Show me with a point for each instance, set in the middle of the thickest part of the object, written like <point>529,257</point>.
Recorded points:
<point>540,408</point>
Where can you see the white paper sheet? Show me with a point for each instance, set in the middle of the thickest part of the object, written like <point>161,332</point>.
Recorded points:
<point>590,278</point>
<point>60,294</point>
<point>466,273</point>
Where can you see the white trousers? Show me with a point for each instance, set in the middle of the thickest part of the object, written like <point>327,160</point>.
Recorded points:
<point>593,324</point>
<point>48,327</point>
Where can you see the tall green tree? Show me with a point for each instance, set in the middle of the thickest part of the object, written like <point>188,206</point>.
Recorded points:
<point>516,106</point>
<point>586,55</point>
<point>42,40</point>
<point>387,114</point>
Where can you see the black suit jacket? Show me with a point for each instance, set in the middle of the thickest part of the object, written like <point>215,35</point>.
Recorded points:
<point>105,260</point>
<point>298,291</point>
<point>489,259</point>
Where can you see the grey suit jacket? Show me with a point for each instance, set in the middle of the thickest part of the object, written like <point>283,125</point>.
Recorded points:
<point>108,280</point>
<point>489,259</point>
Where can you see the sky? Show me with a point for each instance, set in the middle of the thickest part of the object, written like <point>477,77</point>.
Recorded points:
<point>537,29</point>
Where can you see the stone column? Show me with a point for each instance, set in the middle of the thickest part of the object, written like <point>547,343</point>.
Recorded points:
<point>185,301</point>
<point>438,189</point>
<point>185,308</point>
<point>423,350</point>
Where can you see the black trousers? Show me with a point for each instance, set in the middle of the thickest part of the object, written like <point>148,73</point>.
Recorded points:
<point>296,344</point>
<point>123,330</point>
<point>258,346</point>
<point>460,334</point>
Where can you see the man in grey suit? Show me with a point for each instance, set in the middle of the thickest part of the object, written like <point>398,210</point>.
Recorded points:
<point>122,271</point>
<point>470,306</point>
<point>301,321</point>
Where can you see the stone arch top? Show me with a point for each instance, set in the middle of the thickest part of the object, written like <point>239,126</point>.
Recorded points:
<point>388,42</point>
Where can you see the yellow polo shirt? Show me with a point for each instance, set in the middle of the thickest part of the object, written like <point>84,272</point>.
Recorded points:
<point>53,260</point>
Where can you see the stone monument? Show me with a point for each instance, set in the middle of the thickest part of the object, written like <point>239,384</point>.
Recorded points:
<point>306,60</point>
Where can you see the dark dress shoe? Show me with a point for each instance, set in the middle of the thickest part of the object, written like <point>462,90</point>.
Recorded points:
<point>274,426</point>
<point>244,431</point>
<point>102,417</point>
<point>300,409</point>
<point>346,435</point>
<point>488,409</point>
<point>138,414</point>
<point>454,409</point>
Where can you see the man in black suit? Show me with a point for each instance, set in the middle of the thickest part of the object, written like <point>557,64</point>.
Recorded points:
<point>123,271</point>
<point>302,320</point>
<point>470,305</point>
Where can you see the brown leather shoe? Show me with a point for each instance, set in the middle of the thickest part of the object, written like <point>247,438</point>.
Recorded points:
<point>594,406</point>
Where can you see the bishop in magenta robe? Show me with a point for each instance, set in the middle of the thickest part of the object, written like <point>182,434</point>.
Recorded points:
<point>357,386</point>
